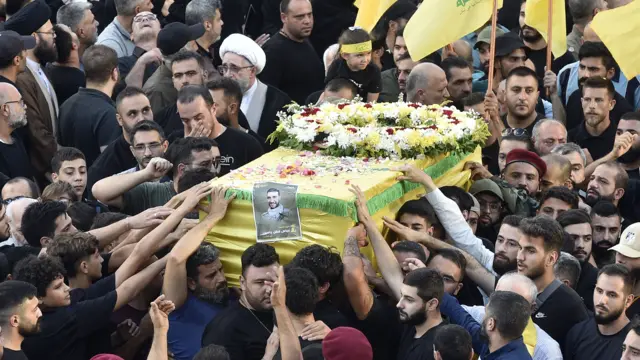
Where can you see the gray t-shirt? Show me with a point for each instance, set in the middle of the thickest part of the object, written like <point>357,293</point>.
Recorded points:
<point>146,196</point>
<point>118,38</point>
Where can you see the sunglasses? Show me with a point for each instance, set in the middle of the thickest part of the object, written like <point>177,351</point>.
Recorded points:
<point>515,132</point>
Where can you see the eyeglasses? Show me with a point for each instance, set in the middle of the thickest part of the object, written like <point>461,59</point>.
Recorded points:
<point>231,68</point>
<point>515,132</point>
<point>143,147</point>
<point>10,200</point>
<point>143,18</point>
<point>21,102</point>
<point>52,33</point>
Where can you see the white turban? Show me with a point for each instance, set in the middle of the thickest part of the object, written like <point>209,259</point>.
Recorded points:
<point>244,46</point>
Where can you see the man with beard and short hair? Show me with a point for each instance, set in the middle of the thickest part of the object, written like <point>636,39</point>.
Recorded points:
<point>227,95</point>
<point>132,107</point>
<point>391,77</point>
<point>556,200</point>
<point>597,132</point>
<point>194,280</point>
<point>601,338</point>
<point>459,74</point>
<point>65,74</point>
<point>521,93</point>
<point>492,207</point>
<point>19,316</point>
<point>88,118</point>
<point>137,68</point>
<point>537,47</point>
<point>630,161</point>
<point>499,336</point>
<point>595,60</point>
<point>510,54</point>
<point>147,142</point>
<point>607,225</point>
<point>14,160</point>
<point>36,89</point>
<point>577,223</point>
<point>558,307</point>
<point>608,182</point>
<point>208,13</point>
<point>187,68</point>
<point>290,56</point>
<point>524,170</point>
<point>404,66</point>
<point>79,18</point>
<point>244,326</point>
<point>243,60</point>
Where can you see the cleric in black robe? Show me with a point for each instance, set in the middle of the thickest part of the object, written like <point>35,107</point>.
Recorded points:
<point>242,60</point>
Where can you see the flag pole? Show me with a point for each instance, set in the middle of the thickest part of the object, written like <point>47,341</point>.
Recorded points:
<point>492,45</point>
<point>549,36</point>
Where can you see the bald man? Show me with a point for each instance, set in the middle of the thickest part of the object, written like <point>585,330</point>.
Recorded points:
<point>427,85</point>
<point>14,161</point>
<point>14,213</point>
<point>558,172</point>
<point>461,48</point>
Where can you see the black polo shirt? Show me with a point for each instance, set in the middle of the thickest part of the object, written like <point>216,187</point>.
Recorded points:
<point>116,158</point>
<point>87,122</point>
<point>66,81</point>
<point>587,283</point>
<point>575,114</point>
<point>598,146</point>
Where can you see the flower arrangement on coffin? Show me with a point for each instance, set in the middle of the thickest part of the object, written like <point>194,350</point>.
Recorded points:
<point>397,130</point>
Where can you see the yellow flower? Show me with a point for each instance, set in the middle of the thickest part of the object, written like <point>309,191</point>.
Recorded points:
<point>373,138</point>
<point>413,138</point>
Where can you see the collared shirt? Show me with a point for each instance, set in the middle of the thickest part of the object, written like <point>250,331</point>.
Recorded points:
<point>568,83</point>
<point>545,348</point>
<point>248,95</point>
<point>43,77</point>
<point>118,38</point>
<point>599,145</point>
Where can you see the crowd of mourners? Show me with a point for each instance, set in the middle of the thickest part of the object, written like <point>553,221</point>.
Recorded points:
<point>116,114</point>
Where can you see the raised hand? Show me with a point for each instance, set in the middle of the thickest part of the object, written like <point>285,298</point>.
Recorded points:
<point>150,217</point>
<point>159,312</point>
<point>361,205</point>
<point>157,168</point>
<point>623,143</point>
<point>218,205</point>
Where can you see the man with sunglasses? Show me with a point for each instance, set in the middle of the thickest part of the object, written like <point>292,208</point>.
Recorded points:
<point>14,160</point>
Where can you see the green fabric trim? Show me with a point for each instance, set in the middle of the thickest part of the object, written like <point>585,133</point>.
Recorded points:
<point>347,208</point>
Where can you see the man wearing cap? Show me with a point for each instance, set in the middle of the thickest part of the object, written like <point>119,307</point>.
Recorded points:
<point>13,56</point>
<point>171,39</point>
<point>290,56</point>
<point>492,207</point>
<point>524,170</point>
<point>117,35</point>
<point>510,54</point>
<point>628,254</point>
<point>37,91</point>
<point>14,161</point>
<point>243,60</point>
<point>136,69</point>
<point>483,44</point>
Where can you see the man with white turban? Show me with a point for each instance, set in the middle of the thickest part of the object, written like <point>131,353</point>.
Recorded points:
<point>243,60</point>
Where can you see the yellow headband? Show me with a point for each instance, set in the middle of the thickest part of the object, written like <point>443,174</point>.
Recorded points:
<point>356,48</point>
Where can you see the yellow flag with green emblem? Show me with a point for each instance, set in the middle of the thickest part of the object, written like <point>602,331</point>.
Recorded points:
<point>438,23</point>
<point>370,11</point>
<point>618,29</point>
<point>537,16</point>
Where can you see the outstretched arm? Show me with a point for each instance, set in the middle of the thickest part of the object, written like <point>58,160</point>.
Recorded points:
<point>355,280</point>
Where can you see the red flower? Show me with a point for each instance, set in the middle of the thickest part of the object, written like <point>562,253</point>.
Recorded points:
<point>315,148</point>
<point>433,127</point>
<point>352,129</point>
<point>413,105</point>
<point>368,106</point>
<point>447,113</point>
<point>308,172</point>
<point>318,122</point>
<point>390,131</point>
<point>310,121</point>
<point>342,106</point>
<point>314,111</point>
<point>455,121</point>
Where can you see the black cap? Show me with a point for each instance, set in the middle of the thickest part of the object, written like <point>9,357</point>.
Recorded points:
<point>507,43</point>
<point>12,43</point>
<point>176,35</point>
<point>29,19</point>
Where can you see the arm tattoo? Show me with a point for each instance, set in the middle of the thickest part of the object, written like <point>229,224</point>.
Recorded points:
<point>351,247</point>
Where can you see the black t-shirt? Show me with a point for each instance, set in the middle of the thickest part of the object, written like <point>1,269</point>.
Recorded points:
<point>628,205</point>
<point>417,349</point>
<point>242,332</point>
<point>169,119</point>
<point>293,67</point>
<point>115,158</point>
<point>539,59</point>
<point>633,309</point>
<point>329,314</point>
<point>311,350</point>
<point>382,328</point>
<point>587,283</point>
<point>575,114</point>
<point>65,332</point>
<point>368,81</point>
<point>14,160</point>
<point>13,355</point>
<point>598,146</point>
<point>585,342</point>
<point>66,81</point>
<point>87,122</point>
<point>237,149</point>
<point>562,310</point>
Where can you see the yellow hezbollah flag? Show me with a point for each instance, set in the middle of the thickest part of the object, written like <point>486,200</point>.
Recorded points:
<point>618,29</point>
<point>438,23</point>
<point>537,16</point>
<point>370,11</point>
